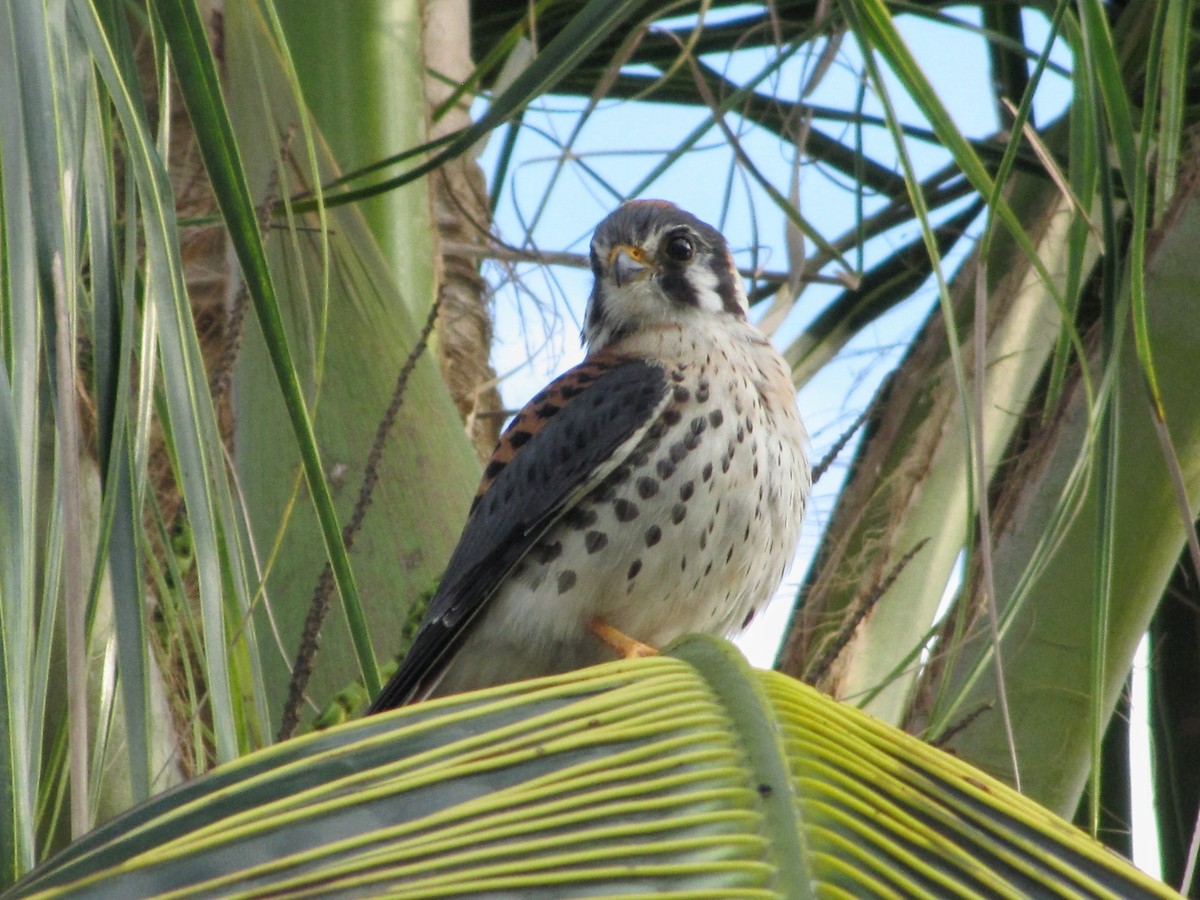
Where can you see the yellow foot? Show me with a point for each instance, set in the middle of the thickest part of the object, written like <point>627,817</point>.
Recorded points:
<point>625,646</point>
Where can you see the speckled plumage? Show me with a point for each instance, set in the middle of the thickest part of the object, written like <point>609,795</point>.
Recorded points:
<point>659,485</point>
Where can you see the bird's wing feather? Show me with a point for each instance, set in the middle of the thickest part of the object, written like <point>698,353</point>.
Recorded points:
<point>561,445</point>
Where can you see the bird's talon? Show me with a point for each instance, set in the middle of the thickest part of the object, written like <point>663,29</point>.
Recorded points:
<point>625,646</point>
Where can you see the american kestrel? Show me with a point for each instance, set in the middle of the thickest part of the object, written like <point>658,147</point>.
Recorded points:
<point>655,489</point>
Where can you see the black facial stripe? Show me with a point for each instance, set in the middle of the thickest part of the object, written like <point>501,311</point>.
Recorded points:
<point>676,286</point>
<point>727,285</point>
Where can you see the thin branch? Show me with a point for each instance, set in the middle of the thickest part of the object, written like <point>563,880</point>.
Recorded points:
<point>310,639</point>
<point>839,445</point>
<point>506,253</point>
<point>958,727</point>
<point>815,673</point>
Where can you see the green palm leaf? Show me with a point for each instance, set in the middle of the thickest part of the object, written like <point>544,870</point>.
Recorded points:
<point>686,775</point>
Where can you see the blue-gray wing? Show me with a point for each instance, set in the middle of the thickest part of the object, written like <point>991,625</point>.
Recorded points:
<point>561,442</point>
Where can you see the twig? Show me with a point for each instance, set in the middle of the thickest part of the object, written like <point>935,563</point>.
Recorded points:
<point>508,253</point>
<point>318,608</point>
<point>827,460</point>
<point>815,673</point>
<point>956,728</point>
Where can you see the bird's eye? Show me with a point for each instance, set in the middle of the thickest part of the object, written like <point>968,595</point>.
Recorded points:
<point>680,248</point>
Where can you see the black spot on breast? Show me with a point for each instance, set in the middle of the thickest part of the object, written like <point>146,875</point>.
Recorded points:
<point>686,490</point>
<point>741,434</point>
<point>678,451</point>
<point>579,518</point>
<point>702,391</point>
<point>672,416</point>
<point>619,475</point>
<point>715,418</point>
<point>519,439</point>
<point>566,581</point>
<point>625,510</point>
<point>634,568</point>
<point>571,391</point>
<point>749,618</point>
<point>595,541</point>
<point>548,410</point>
<point>678,513</point>
<point>647,487</point>
<point>665,469</point>
<point>654,535</point>
<point>707,472</point>
<point>548,552</point>
<point>681,394</point>
<point>494,468</point>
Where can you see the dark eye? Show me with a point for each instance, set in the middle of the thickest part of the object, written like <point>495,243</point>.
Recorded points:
<point>680,248</point>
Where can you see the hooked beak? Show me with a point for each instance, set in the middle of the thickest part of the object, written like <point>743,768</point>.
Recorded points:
<point>628,264</point>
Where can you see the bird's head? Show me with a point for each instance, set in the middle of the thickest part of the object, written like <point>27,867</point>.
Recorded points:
<point>655,265</point>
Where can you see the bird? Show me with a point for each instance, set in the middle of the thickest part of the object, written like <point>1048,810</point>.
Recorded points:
<point>655,489</point>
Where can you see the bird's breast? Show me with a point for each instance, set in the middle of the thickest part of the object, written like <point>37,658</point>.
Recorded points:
<point>691,530</point>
